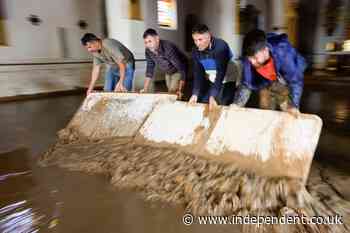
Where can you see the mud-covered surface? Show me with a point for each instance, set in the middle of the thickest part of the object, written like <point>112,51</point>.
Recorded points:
<point>205,187</point>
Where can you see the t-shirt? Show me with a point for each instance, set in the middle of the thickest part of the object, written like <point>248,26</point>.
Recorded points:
<point>113,51</point>
<point>268,70</point>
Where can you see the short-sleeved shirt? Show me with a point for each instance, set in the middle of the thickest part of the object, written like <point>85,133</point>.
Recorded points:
<point>113,51</point>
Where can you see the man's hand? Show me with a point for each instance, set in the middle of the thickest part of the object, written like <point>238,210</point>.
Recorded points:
<point>179,92</point>
<point>120,87</point>
<point>193,99</point>
<point>89,91</point>
<point>94,76</point>
<point>294,112</point>
<point>146,85</point>
<point>212,103</point>
<point>179,95</point>
<point>234,106</point>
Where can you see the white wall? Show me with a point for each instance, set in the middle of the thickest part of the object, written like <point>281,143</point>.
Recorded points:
<point>221,19</point>
<point>219,16</point>
<point>27,42</point>
<point>277,10</point>
<point>30,43</point>
<point>130,32</point>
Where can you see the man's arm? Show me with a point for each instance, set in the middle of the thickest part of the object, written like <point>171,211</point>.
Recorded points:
<point>146,84</point>
<point>294,77</point>
<point>173,54</point>
<point>244,90</point>
<point>296,84</point>
<point>197,75</point>
<point>181,89</point>
<point>120,85</point>
<point>150,66</point>
<point>221,59</point>
<point>94,76</point>
<point>197,78</point>
<point>242,95</point>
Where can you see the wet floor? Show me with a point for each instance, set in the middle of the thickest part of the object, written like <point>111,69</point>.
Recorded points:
<point>37,199</point>
<point>54,200</point>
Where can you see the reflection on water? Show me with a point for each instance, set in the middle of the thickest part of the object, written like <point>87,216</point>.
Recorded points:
<point>60,201</point>
<point>332,107</point>
<point>342,112</point>
<point>55,200</point>
<point>9,175</point>
<point>17,211</point>
<point>17,218</point>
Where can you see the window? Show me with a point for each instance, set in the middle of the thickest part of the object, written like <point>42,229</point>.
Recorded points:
<point>167,14</point>
<point>135,10</point>
<point>3,41</point>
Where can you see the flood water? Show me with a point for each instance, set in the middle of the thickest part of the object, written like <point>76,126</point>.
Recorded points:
<point>34,199</point>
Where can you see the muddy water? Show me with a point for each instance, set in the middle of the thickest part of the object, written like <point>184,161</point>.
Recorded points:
<point>205,187</point>
<point>54,200</point>
<point>36,199</point>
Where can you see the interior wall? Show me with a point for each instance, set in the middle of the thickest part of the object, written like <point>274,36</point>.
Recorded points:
<point>130,31</point>
<point>320,37</point>
<point>56,37</point>
<point>265,17</point>
<point>219,16</point>
<point>221,19</point>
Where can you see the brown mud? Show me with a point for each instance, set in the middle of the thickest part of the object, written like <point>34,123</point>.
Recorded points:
<point>202,186</point>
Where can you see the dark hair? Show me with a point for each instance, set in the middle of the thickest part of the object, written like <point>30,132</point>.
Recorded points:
<point>253,42</point>
<point>88,37</point>
<point>150,32</point>
<point>200,29</point>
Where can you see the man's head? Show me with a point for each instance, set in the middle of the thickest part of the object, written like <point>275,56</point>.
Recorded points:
<point>91,42</point>
<point>255,48</point>
<point>201,36</point>
<point>151,39</point>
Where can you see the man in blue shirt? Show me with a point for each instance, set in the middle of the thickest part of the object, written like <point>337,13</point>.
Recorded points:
<point>210,59</point>
<point>274,68</point>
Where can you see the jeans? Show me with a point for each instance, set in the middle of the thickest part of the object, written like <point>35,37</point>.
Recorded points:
<point>274,96</point>
<point>112,77</point>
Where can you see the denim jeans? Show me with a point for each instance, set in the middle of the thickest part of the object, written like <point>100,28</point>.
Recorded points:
<point>112,77</point>
<point>275,96</point>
